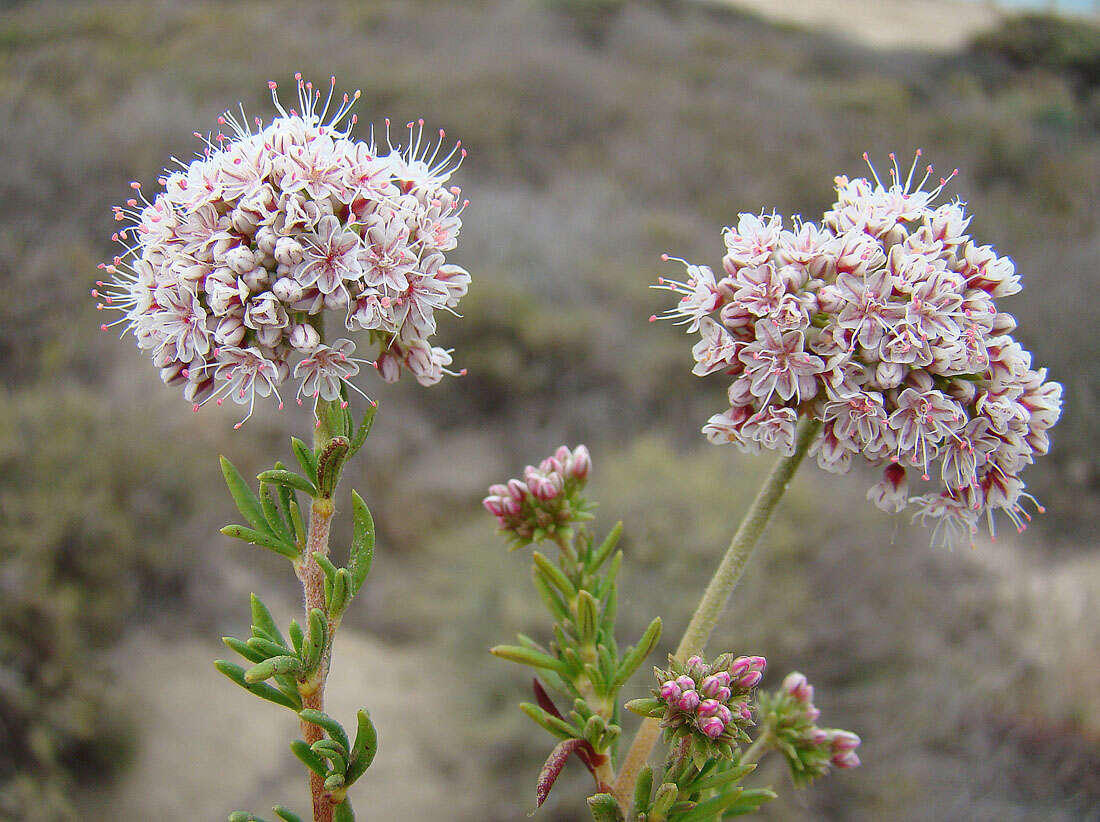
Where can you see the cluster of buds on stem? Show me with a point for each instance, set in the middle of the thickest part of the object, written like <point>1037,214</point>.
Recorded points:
<point>547,502</point>
<point>709,704</point>
<point>790,719</point>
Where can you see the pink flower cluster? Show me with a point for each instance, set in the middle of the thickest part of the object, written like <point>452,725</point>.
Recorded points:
<point>546,500</point>
<point>226,273</point>
<point>832,744</point>
<point>714,702</point>
<point>881,324</point>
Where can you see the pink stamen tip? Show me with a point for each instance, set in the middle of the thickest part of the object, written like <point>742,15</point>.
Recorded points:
<point>462,372</point>
<point>195,408</point>
<point>344,404</point>
<point>318,424</point>
<point>103,327</point>
<point>280,405</point>
<point>299,401</point>
<point>271,84</point>
<point>653,318</point>
<point>237,426</point>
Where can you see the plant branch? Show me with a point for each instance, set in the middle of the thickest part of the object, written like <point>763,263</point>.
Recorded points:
<point>717,594</point>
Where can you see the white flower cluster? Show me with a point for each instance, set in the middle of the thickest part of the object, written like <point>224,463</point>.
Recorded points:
<point>228,271</point>
<point>881,324</point>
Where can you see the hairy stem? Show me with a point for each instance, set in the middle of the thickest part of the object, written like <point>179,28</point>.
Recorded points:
<point>717,594</point>
<point>313,692</point>
<point>757,749</point>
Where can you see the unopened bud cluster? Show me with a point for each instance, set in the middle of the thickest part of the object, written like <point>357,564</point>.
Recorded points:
<point>711,702</point>
<point>881,323</point>
<point>226,273</point>
<point>547,501</point>
<point>790,717</point>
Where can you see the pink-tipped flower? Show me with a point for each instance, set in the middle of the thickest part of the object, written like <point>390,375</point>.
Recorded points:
<point>846,759</point>
<point>670,691</point>
<point>273,226</point>
<point>844,740</point>
<point>688,701</point>
<point>580,463</point>
<point>880,323</point>
<point>708,707</point>
<point>799,687</point>
<point>712,726</point>
<point>749,680</point>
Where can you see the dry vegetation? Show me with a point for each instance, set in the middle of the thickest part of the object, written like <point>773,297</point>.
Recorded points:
<point>597,142</point>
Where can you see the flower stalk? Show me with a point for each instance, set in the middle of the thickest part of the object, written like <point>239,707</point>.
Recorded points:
<point>718,592</point>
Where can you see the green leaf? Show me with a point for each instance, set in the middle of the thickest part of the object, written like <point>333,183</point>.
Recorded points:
<point>340,587</point>
<point>549,597</point>
<point>554,575</point>
<point>260,689</point>
<point>364,428</point>
<point>329,464</point>
<point>643,789</point>
<point>343,812</point>
<point>610,602</point>
<point>306,458</point>
<point>263,539</point>
<point>587,618</point>
<point>334,781</point>
<point>251,654</point>
<point>315,641</point>
<point>333,728</point>
<point>246,501</point>
<point>272,666</point>
<point>604,808</point>
<point>364,749</point>
<point>526,656</point>
<point>262,619</point>
<point>327,749</point>
<point>636,655</point>
<point>276,524</point>
<point>664,800</point>
<point>296,520</point>
<point>266,647</point>
<point>244,816</point>
<point>301,750</point>
<point>711,808</point>
<point>646,706</point>
<point>326,565</point>
<point>295,632</point>
<point>605,549</point>
<point>749,801</point>
<point>362,543</point>
<point>558,727</point>
<point>727,777</point>
<point>280,476</point>
<point>286,815</point>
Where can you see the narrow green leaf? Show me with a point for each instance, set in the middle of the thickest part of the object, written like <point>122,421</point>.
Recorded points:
<point>286,815</point>
<point>605,549</point>
<point>326,565</point>
<point>274,518</point>
<point>306,458</point>
<point>301,750</point>
<point>333,728</point>
<point>296,520</point>
<point>607,662</point>
<point>646,706</point>
<point>749,801</point>
<point>364,749</point>
<point>588,618</point>
<point>267,648</point>
<point>362,543</point>
<point>364,428</point>
<point>664,799</point>
<point>329,463</point>
<point>315,640</point>
<point>334,781</point>
<point>343,812</point>
<point>549,597</point>
<point>260,689</point>
<point>245,816</point>
<point>263,539</point>
<point>633,658</point>
<point>286,497</point>
<point>277,476</point>
<point>246,501</point>
<point>241,648</point>
<point>271,666</point>
<point>526,656</point>
<point>726,777</point>
<point>295,632</point>
<point>712,808</point>
<point>610,603</point>
<point>554,575</point>
<point>340,587</point>
<point>605,808</point>
<point>327,749</point>
<point>558,727</point>
<point>262,619</point>
<point>643,789</point>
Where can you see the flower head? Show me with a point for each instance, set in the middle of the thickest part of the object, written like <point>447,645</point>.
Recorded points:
<point>226,271</point>
<point>706,703</point>
<point>547,502</point>
<point>789,717</point>
<point>880,323</point>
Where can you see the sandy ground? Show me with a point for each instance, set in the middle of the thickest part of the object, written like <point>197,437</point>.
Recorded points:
<point>933,25</point>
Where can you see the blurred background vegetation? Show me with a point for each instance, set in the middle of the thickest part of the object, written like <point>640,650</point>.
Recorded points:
<point>601,134</point>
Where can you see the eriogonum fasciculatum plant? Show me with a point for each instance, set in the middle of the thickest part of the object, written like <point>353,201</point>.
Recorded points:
<point>226,277</point>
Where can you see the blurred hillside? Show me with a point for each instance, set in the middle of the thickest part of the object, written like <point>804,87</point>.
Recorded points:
<point>598,141</point>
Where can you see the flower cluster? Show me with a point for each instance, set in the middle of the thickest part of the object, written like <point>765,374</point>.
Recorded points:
<point>546,502</point>
<point>790,716</point>
<point>880,323</point>
<point>709,703</point>
<point>227,272</point>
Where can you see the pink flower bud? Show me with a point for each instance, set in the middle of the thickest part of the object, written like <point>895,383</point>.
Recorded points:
<point>749,680</point>
<point>797,686</point>
<point>846,759</point>
<point>498,490</point>
<point>710,686</point>
<point>389,368</point>
<point>744,664</point>
<point>725,714</point>
<point>287,289</point>
<point>712,727</point>
<point>689,701</point>
<point>493,505</point>
<point>845,741</point>
<point>240,259</point>
<point>812,713</point>
<point>817,736</point>
<point>670,691</point>
<point>517,489</point>
<point>744,710</point>
<point>708,707</point>
<point>563,454</point>
<point>695,665</point>
<point>685,682</point>
<point>304,338</point>
<point>581,463</point>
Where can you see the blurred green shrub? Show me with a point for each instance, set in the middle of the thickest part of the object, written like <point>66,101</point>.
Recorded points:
<point>88,502</point>
<point>1059,44</point>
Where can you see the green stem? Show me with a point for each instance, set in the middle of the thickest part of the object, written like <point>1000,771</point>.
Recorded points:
<point>757,749</point>
<point>718,591</point>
